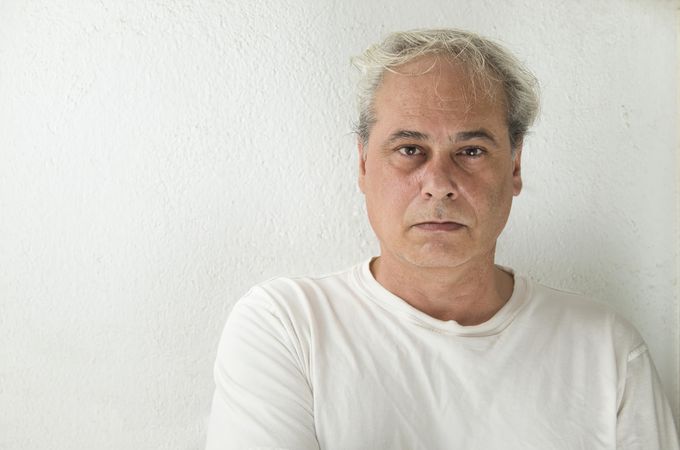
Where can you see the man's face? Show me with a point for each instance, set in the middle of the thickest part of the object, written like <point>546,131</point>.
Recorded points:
<point>437,171</point>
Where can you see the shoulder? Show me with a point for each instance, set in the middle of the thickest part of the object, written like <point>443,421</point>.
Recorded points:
<point>589,317</point>
<point>297,298</point>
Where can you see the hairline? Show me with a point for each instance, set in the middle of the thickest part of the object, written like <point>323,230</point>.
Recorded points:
<point>489,77</point>
<point>484,61</point>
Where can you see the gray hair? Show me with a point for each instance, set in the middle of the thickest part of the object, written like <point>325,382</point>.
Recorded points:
<point>484,59</point>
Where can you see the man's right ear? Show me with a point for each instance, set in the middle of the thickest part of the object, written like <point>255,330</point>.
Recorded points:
<point>362,164</point>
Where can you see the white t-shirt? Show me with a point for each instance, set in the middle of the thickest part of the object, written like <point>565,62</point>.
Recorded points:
<point>338,362</point>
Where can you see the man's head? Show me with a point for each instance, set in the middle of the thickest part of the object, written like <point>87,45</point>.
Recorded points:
<point>486,62</point>
<point>440,137</point>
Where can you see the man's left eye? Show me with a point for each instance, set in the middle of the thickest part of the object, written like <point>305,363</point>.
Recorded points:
<point>472,152</point>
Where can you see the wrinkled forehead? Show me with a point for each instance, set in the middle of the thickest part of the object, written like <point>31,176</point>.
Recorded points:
<point>440,82</point>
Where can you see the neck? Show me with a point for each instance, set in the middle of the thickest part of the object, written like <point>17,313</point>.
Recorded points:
<point>469,294</point>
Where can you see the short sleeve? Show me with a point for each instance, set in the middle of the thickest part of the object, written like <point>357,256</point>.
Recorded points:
<point>644,420</point>
<point>262,398</point>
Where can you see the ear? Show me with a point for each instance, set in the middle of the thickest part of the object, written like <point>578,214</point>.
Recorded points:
<point>362,164</point>
<point>517,171</point>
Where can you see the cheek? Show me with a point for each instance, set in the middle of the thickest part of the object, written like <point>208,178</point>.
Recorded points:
<point>500,194</point>
<point>500,201</point>
<point>388,194</point>
<point>401,196</point>
<point>493,199</point>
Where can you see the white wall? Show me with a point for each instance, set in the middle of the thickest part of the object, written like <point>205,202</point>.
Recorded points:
<point>158,158</point>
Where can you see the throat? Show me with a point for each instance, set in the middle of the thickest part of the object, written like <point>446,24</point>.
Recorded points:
<point>467,298</point>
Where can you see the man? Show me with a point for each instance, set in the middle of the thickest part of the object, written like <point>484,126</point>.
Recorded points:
<point>431,345</point>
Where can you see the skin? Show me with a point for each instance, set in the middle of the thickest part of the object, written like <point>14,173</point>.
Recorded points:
<point>439,176</point>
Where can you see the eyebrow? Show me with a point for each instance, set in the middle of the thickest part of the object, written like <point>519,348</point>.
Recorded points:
<point>407,134</point>
<point>480,133</point>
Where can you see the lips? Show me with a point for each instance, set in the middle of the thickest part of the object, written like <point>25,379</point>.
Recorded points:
<point>439,226</point>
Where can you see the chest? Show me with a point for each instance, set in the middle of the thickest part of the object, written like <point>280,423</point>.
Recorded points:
<point>405,388</point>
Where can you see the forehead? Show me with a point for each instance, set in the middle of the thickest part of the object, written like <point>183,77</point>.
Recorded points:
<point>436,87</point>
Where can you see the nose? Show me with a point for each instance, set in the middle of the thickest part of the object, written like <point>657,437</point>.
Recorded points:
<point>438,181</point>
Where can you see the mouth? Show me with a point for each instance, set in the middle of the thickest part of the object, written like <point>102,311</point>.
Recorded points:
<point>439,226</point>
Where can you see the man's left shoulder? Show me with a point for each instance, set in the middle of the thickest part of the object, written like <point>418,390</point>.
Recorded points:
<point>584,313</point>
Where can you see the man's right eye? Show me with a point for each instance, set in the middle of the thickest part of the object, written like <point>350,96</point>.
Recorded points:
<point>410,151</point>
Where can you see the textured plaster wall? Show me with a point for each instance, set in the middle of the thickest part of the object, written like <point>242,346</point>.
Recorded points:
<point>158,158</point>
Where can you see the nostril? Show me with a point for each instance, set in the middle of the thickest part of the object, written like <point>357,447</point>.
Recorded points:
<point>449,195</point>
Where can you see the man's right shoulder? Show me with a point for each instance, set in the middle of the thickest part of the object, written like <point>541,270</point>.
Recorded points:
<point>300,295</point>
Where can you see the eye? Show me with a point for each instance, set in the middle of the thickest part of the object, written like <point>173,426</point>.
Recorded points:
<point>410,150</point>
<point>472,152</point>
